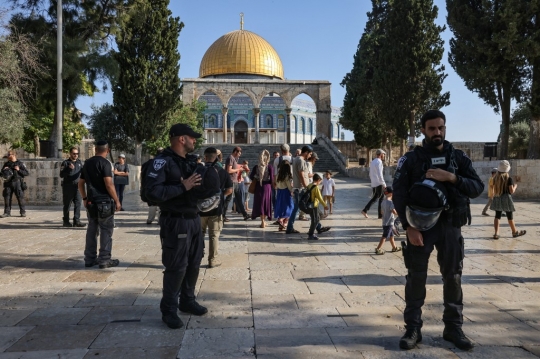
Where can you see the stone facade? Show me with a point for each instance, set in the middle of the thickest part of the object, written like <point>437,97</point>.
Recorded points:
<point>44,182</point>
<point>526,173</point>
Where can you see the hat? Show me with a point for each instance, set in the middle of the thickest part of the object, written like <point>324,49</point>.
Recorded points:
<point>380,151</point>
<point>504,166</point>
<point>284,147</point>
<point>122,155</point>
<point>494,170</point>
<point>388,190</point>
<point>314,155</point>
<point>181,129</point>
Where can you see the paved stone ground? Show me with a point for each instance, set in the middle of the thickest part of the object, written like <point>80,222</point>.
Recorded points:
<point>273,297</point>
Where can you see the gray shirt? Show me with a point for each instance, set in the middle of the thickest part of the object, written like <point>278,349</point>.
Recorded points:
<point>387,216</point>
<point>300,165</point>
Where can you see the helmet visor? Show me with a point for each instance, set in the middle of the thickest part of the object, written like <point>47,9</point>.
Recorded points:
<point>208,204</point>
<point>421,218</point>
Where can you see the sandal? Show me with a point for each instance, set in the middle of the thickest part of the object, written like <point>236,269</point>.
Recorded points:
<point>379,251</point>
<point>397,249</point>
<point>496,236</point>
<point>519,233</point>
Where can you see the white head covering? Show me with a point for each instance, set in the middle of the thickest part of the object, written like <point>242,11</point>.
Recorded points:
<point>264,158</point>
<point>504,166</point>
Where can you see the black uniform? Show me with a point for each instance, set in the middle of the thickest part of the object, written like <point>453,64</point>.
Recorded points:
<point>181,236</point>
<point>445,235</point>
<point>70,190</point>
<point>15,186</point>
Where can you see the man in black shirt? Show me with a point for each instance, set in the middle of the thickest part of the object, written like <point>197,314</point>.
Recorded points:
<point>168,183</point>
<point>70,172</point>
<point>212,219</point>
<point>97,180</point>
<point>14,184</point>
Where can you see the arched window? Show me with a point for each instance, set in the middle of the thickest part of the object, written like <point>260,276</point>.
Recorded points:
<point>310,128</point>
<point>269,121</point>
<point>281,121</point>
<point>301,127</point>
<point>294,124</point>
<point>212,120</point>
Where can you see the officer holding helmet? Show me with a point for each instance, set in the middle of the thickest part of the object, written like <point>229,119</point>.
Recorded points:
<point>170,181</point>
<point>432,186</point>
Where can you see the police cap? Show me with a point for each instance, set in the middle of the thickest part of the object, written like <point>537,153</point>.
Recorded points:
<point>181,129</point>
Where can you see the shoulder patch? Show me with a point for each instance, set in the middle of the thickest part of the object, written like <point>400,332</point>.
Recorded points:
<point>400,162</point>
<point>159,163</point>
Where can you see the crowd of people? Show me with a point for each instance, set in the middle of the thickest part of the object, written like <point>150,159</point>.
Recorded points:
<point>432,187</point>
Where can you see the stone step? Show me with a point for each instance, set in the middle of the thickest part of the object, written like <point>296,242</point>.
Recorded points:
<point>251,152</point>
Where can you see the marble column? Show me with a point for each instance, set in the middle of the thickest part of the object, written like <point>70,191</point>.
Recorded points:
<point>224,111</point>
<point>288,128</point>
<point>257,113</point>
<point>232,135</point>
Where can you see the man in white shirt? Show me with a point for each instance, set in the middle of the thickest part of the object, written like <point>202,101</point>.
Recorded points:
<point>377,182</point>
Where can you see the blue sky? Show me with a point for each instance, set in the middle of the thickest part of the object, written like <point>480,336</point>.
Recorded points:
<point>316,40</point>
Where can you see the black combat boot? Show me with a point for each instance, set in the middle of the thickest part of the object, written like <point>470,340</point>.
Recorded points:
<point>192,307</point>
<point>187,298</point>
<point>5,215</point>
<point>456,336</point>
<point>67,224</point>
<point>411,338</point>
<point>172,320</point>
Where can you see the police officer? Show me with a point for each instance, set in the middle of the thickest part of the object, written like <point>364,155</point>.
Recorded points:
<point>432,187</point>
<point>70,172</point>
<point>168,183</point>
<point>14,184</point>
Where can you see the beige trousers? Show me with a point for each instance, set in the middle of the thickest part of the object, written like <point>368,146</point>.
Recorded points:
<point>215,225</point>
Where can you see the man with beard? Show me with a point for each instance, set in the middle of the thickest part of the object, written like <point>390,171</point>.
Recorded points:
<point>432,186</point>
<point>169,181</point>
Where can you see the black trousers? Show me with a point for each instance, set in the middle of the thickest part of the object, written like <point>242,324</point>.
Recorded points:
<point>377,194</point>
<point>182,245</point>
<point>70,194</point>
<point>9,190</point>
<point>450,253</point>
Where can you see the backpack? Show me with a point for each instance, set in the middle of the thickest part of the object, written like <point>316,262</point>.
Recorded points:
<point>304,203</point>
<point>144,170</point>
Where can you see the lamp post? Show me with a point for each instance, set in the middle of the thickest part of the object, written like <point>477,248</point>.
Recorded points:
<point>59,105</point>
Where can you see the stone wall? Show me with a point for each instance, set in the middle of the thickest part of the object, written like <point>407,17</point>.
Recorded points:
<point>526,173</point>
<point>44,182</point>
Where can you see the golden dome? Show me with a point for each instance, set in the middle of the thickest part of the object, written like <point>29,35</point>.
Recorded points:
<point>241,52</point>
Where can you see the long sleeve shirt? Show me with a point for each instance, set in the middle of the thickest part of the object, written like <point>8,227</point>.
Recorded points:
<point>376,173</point>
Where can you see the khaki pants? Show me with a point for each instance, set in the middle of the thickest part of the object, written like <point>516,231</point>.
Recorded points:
<point>215,225</point>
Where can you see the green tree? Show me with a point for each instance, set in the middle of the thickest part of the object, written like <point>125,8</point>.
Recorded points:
<point>360,113</point>
<point>519,139</point>
<point>87,55</point>
<point>487,53</point>
<point>105,125</point>
<point>409,77</point>
<point>148,88</point>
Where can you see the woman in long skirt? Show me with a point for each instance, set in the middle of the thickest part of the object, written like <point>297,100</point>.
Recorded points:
<point>284,197</point>
<point>263,176</point>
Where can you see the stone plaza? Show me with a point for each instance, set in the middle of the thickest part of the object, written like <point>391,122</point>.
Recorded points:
<point>274,296</point>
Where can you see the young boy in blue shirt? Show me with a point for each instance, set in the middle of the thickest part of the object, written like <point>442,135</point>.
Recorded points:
<point>387,212</point>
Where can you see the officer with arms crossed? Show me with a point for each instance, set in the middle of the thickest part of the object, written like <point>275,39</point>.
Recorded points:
<point>168,183</point>
<point>70,172</point>
<point>13,172</point>
<point>432,187</point>
<point>101,203</point>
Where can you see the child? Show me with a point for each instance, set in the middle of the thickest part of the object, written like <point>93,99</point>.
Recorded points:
<point>328,190</point>
<point>503,188</point>
<point>388,212</point>
<point>247,182</point>
<point>490,192</point>
<point>316,198</point>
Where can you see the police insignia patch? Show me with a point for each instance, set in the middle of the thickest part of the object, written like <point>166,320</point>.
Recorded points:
<point>400,163</point>
<point>159,163</point>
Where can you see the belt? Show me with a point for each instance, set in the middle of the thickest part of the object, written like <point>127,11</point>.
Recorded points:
<point>179,215</point>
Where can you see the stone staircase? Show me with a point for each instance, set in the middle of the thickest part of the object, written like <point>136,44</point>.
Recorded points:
<point>250,152</point>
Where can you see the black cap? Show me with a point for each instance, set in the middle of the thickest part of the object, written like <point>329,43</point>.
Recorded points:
<point>101,143</point>
<point>388,190</point>
<point>181,129</point>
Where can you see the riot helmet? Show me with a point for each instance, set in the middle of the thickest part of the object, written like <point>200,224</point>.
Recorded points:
<point>7,174</point>
<point>427,201</point>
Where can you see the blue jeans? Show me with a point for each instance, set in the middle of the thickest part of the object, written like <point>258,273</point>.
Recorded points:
<point>294,212</point>
<point>239,198</point>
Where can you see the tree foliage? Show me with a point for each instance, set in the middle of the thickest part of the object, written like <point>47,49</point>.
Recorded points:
<point>487,52</point>
<point>87,54</point>
<point>105,125</point>
<point>148,87</point>
<point>396,73</point>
